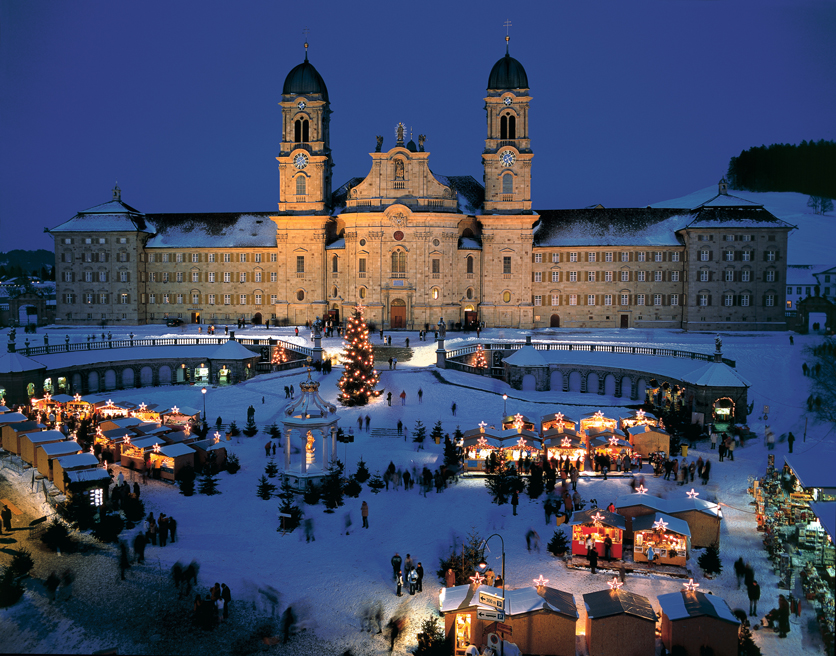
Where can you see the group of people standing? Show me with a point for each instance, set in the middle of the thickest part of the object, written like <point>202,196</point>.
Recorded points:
<point>411,573</point>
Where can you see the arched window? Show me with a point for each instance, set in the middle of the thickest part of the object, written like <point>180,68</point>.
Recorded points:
<point>300,130</point>
<point>469,265</point>
<point>300,295</point>
<point>512,127</point>
<point>507,184</point>
<point>503,127</point>
<point>469,293</point>
<point>300,185</point>
<point>335,261</point>
<point>436,293</point>
<point>362,292</point>
<point>398,264</point>
<point>335,293</point>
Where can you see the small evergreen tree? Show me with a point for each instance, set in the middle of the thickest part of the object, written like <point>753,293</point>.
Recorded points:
<point>271,469</point>
<point>376,483</point>
<point>134,509</point>
<point>362,474</point>
<point>332,487</point>
<point>431,639</point>
<point>312,495</point>
<point>288,507</point>
<point>185,478</point>
<point>265,488</point>
<point>419,434</point>
<point>22,562</point>
<point>502,483</point>
<point>11,590</point>
<point>464,559</point>
<point>275,431</point>
<point>745,644</point>
<point>359,380</point>
<point>109,528</point>
<point>451,455</point>
<point>709,561</point>
<point>352,488</point>
<point>437,433</point>
<point>233,430</point>
<point>233,465</point>
<point>535,481</point>
<point>558,545</point>
<point>208,484</point>
<point>250,429</point>
<point>56,537</point>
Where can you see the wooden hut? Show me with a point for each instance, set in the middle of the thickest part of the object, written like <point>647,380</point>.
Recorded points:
<point>135,451</point>
<point>703,517</point>
<point>13,431</point>
<point>596,422</point>
<point>619,622</point>
<point>67,464</point>
<point>637,418</point>
<point>557,420</point>
<point>542,619</point>
<point>695,623</point>
<point>180,415</point>
<point>563,445</point>
<point>30,442</point>
<point>631,506</point>
<point>669,537</point>
<point>599,524</point>
<point>210,450</point>
<point>528,423</point>
<point>647,440</point>
<point>48,453</point>
<point>170,459</point>
<point>119,423</point>
<point>82,481</point>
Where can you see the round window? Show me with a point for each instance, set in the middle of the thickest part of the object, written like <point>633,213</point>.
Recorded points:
<point>300,295</point>
<point>436,242</point>
<point>506,296</point>
<point>362,242</point>
<point>398,236</point>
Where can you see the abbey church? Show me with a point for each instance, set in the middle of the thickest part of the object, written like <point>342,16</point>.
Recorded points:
<point>414,246</point>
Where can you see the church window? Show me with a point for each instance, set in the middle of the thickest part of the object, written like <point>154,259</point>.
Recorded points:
<point>300,130</point>
<point>361,267</point>
<point>300,185</point>
<point>398,264</point>
<point>362,292</point>
<point>435,293</point>
<point>503,127</point>
<point>436,266</point>
<point>506,265</point>
<point>512,127</point>
<point>469,264</point>
<point>555,276</point>
<point>469,293</point>
<point>300,264</point>
<point>507,184</point>
<point>506,297</point>
<point>335,264</point>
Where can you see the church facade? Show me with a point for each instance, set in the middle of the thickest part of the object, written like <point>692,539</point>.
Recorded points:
<point>415,247</point>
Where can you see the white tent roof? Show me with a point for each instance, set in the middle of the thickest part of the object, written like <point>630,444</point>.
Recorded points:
<point>12,363</point>
<point>527,356</point>
<point>232,350</point>
<point>811,469</point>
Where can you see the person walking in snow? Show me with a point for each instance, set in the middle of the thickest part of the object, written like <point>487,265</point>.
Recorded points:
<point>412,579</point>
<point>368,421</point>
<point>399,583</point>
<point>453,408</point>
<point>421,398</point>
<point>364,511</point>
<point>389,398</point>
<point>396,564</point>
<point>403,397</point>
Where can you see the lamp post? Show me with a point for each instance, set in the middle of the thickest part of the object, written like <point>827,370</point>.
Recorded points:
<point>504,406</point>
<point>483,565</point>
<point>203,391</point>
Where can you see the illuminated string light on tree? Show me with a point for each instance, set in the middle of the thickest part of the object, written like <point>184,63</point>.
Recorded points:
<point>615,584</point>
<point>691,586</point>
<point>359,380</point>
<point>279,355</point>
<point>480,361</point>
<point>693,494</point>
<point>540,581</point>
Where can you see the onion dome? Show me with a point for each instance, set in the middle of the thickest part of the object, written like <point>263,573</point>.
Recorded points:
<point>508,73</point>
<point>305,80</point>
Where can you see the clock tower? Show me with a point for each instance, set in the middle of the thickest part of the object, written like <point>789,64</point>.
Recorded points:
<point>507,155</point>
<point>305,163</point>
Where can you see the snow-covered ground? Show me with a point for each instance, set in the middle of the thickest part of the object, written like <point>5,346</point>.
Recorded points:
<point>233,535</point>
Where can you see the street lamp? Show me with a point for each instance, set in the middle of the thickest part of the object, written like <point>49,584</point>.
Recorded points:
<point>483,566</point>
<point>504,406</point>
<point>203,391</point>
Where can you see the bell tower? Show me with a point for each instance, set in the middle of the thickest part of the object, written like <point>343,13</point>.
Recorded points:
<point>507,155</point>
<point>305,163</point>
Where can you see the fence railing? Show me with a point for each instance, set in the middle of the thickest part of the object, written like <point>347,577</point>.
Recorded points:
<point>597,348</point>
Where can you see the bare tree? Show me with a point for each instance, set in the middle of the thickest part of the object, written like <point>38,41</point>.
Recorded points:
<point>820,204</point>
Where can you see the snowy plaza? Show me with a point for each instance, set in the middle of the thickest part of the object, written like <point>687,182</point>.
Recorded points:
<point>329,581</point>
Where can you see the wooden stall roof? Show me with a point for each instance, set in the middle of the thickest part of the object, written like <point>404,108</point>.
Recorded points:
<point>78,460</point>
<point>55,449</point>
<point>641,430</point>
<point>684,504</point>
<point>147,442</point>
<point>88,475</point>
<point>184,411</point>
<point>553,416</point>
<point>12,417</point>
<point>604,439</point>
<point>646,500</point>
<point>175,450</point>
<point>634,414</point>
<point>62,398</point>
<point>684,604</point>
<point>606,603</point>
<point>121,422</point>
<point>554,439</point>
<point>26,426</point>
<point>674,524</point>
<point>46,436</point>
<point>3,409</point>
<point>473,440</point>
<point>208,445</point>
<point>517,602</point>
<point>608,518</point>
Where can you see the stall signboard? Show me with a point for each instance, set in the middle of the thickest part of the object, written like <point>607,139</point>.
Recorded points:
<point>491,600</point>
<point>504,628</point>
<point>491,615</point>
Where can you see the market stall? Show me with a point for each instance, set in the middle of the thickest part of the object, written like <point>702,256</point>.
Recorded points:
<point>646,439</point>
<point>148,412</point>
<point>542,619</point>
<point>565,445</point>
<point>557,420</point>
<point>814,475</point>
<point>209,451</point>
<point>595,422</point>
<point>612,444</point>
<point>704,519</point>
<point>669,537</point>
<point>62,467</point>
<point>12,432</point>
<point>600,524</point>
<point>29,443</point>
<point>47,453</point>
<point>619,622</point>
<point>478,445</point>
<point>135,450</point>
<point>170,459</point>
<point>638,418</point>
<point>631,506</point>
<point>179,416</point>
<point>694,623</point>
<point>108,409</point>
<point>518,421</point>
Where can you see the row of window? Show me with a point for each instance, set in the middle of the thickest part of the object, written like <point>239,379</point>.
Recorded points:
<point>609,256</point>
<point>93,240</point>
<point>710,237</point>
<point>707,255</point>
<point>210,257</point>
<point>102,256</point>
<point>211,276</point>
<point>626,300</point>
<point>608,276</point>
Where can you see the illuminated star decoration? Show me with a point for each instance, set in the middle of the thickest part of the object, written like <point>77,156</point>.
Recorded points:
<point>559,417</point>
<point>518,418</point>
<point>540,581</point>
<point>217,437</point>
<point>615,584</point>
<point>127,439</point>
<point>660,524</point>
<point>47,397</point>
<point>142,407</point>
<point>598,415</point>
<point>477,578</point>
<point>641,489</point>
<point>109,403</point>
<point>560,425</point>
<point>566,443</point>
<point>521,442</point>
<point>156,448</point>
<point>691,586</point>
<point>482,442</point>
<point>639,415</point>
<point>482,425</point>
<point>597,518</point>
<point>77,398</point>
<point>175,409</point>
<point>693,494</point>
<point>187,430</point>
<point>613,441</point>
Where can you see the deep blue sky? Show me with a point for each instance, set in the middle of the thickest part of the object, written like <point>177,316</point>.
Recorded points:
<point>634,102</point>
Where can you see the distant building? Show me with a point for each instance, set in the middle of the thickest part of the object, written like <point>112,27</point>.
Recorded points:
<point>415,247</point>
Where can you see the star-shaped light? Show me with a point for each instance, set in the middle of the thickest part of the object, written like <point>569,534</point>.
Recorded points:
<point>540,581</point>
<point>597,518</point>
<point>217,437</point>
<point>99,431</point>
<point>640,415</point>
<point>109,403</point>
<point>615,584</point>
<point>482,442</point>
<point>518,417</point>
<point>660,524</point>
<point>598,415</point>
<point>566,443</point>
<point>142,407</point>
<point>693,494</point>
<point>127,438</point>
<point>560,425</point>
<point>613,441</point>
<point>521,442</point>
<point>477,578</point>
<point>156,448</point>
<point>77,398</point>
<point>91,450</point>
<point>482,425</point>
<point>519,426</point>
<point>47,397</point>
<point>559,417</point>
<point>691,586</point>
<point>175,409</point>
<point>641,489</point>
<point>360,308</point>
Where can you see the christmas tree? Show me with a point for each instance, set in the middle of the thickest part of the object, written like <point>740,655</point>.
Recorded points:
<point>265,488</point>
<point>279,355</point>
<point>332,487</point>
<point>288,507</point>
<point>376,483</point>
<point>480,361</point>
<point>359,379</point>
<point>709,561</point>
<point>420,434</point>
<point>362,474</point>
<point>271,469</point>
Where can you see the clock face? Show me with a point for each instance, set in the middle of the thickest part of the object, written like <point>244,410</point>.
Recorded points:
<point>301,105</point>
<point>507,100</point>
<point>300,161</point>
<point>507,158</point>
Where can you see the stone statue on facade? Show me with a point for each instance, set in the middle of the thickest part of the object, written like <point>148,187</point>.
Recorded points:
<point>421,139</point>
<point>718,343</point>
<point>399,169</point>
<point>379,146</point>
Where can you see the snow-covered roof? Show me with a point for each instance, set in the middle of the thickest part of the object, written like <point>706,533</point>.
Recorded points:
<point>210,445</point>
<point>717,374</point>
<point>3,409</point>
<point>175,450</point>
<point>12,418</point>
<point>736,216</point>
<point>811,469</point>
<point>12,363</point>
<point>684,504</point>
<point>605,603</point>
<point>517,602</point>
<point>727,200</point>
<point>339,244</point>
<point>674,524</point>
<point>630,500</point>
<point>65,447</point>
<point>87,475</point>
<point>684,604</point>
<point>216,230</point>
<point>46,436</point>
<point>527,356</point>
<point>79,460</point>
<point>146,442</point>
<point>232,350</point>
<point>184,410</point>
<point>606,518</point>
<point>826,513</point>
<point>610,227</point>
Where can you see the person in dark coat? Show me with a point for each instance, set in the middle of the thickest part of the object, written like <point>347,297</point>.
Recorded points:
<point>593,559</point>
<point>420,571</point>
<point>226,595</point>
<point>515,500</point>
<point>6,515</point>
<point>162,529</point>
<point>172,528</point>
<point>399,583</point>
<point>139,547</point>
<point>396,564</point>
<point>790,437</point>
<point>136,489</point>
<point>754,592</point>
<point>783,616</point>
<point>124,559</point>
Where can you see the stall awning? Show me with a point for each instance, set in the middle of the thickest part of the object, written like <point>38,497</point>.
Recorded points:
<point>826,512</point>
<point>674,524</point>
<point>175,450</point>
<point>683,604</point>
<point>517,602</point>
<point>811,469</point>
<point>616,602</point>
